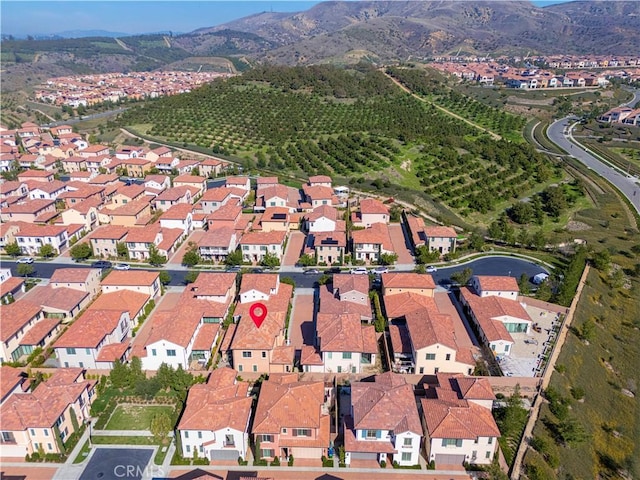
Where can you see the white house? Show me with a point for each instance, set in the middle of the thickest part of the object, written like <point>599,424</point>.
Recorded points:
<point>383,424</point>
<point>322,219</point>
<point>215,422</point>
<point>32,237</point>
<point>500,286</point>
<point>258,287</point>
<point>255,245</point>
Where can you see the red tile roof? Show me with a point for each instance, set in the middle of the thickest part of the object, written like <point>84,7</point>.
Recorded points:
<point>90,329</point>
<point>39,331</point>
<point>462,419</point>
<point>189,179</point>
<point>403,303</point>
<point>217,237</point>
<point>72,275</point>
<point>130,277</point>
<point>112,352</point>
<point>426,329</point>
<point>212,284</point>
<point>61,298</point>
<point>15,316</point>
<point>489,283</point>
<point>110,232</point>
<point>206,336</point>
<point>215,194</point>
<point>485,309</point>
<point>372,206</point>
<point>344,333</point>
<point>179,211</point>
<point>319,179</point>
<point>264,238</point>
<point>10,377</point>
<point>376,234</point>
<point>408,280</point>
<point>128,300</point>
<point>440,232</point>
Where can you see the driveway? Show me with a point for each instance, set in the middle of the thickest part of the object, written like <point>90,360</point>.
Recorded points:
<point>294,248</point>
<point>301,329</point>
<point>176,258</point>
<point>401,244</point>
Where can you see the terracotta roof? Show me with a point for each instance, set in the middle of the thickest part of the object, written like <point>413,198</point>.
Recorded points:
<point>217,405</point>
<point>84,206</point>
<point>310,356</point>
<point>42,407</point>
<point>426,329</point>
<point>131,208</point>
<point>215,194</point>
<point>408,280</point>
<point>272,191</point>
<point>130,277</point>
<point>177,326</point>
<point>403,303</point>
<point>352,444</point>
<point>206,336</point>
<point>61,298</point>
<point>174,193</point>
<point>326,211</point>
<point>11,186</point>
<point>10,285</point>
<point>263,238</point>
<point>85,191</point>
<point>170,237</point>
<point>28,206</point>
<point>490,283</point>
<point>179,211</point>
<point>437,231</point>
<point>331,305</point>
<point>15,316</point>
<point>286,402</point>
<point>72,275</point>
<point>319,179</point>
<point>336,238</point>
<point>128,300</point>
<point>400,339</point>
<point>189,179</point>
<point>227,212</point>
<point>225,346</point>
<point>236,181</point>
<point>377,234</point>
<point>130,191</point>
<point>109,232</point>
<point>10,377</point>
<point>372,206</point>
<point>47,187</point>
<point>266,180</point>
<point>467,388</point>
<point>283,355</point>
<point>104,178</point>
<point>146,234</point>
<point>485,309</point>
<point>155,178</point>
<point>90,329</point>
<point>387,403</point>
<point>95,148</point>
<point>343,333</point>
<point>39,331</point>
<point>212,284</point>
<point>464,420</point>
<point>217,237</point>
<point>35,174</point>
<point>275,214</point>
<point>262,282</point>
<point>112,352</point>
<point>317,192</point>
<point>343,283</point>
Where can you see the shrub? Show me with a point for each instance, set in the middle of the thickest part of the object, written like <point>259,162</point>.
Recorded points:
<point>260,462</point>
<point>242,462</point>
<point>432,465</point>
<point>275,462</point>
<point>327,462</point>
<point>383,464</point>
<point>290,461</point>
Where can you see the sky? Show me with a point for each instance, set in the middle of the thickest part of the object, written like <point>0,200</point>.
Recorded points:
<point>27,17</point>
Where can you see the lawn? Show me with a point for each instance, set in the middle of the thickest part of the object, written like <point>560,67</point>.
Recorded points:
<point>108,440</point>
<point>136,417</point>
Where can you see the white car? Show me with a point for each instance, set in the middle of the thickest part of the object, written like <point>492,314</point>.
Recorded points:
<point>431,269</point>
<point>122,266</point>
<point>380,270</point>
<point>25,260</point>
<point>359,271</point>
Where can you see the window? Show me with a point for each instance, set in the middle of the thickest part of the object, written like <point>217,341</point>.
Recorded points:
<point>329,355</point>
<point>346,355</point>
<point>71,351</point>
<point>267,438</point>
<point>49,447</point>
<point>246,354</point>
<point>87,351</point>
<point>33,432</point>
<point>171,353</point>
<point>186,434</point>
<point>201,449</point>
<point>240,368</point>
<point>448,357</point>
<point>371,434</point>
<point>188,448</point>
<point>264,354</point>
<point>487,455</point>
<point>436,370</point>
<point>431,356</point>
<point>474,454</point>
<point>153,352</point>
<point>339,369</point>
<point>451,442</point>
<point>81,364</point>
<point>46,432</point>
<point>36,445</point>
<point>199,434</point>
<point>301,432</point>
<point>267,452</point>
<point>421,370</point>
<point>406,456</point>
<point>490,441</point>
<point>255,368</point>
<point>408,442</point>
<point>506,348</point>
<point>284,431</point>
<point>476,441</point>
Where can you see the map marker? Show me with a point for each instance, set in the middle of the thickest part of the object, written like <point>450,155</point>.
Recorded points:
<point>258,313</point>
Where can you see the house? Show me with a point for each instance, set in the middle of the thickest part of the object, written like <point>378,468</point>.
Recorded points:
<point>13,381</point>
<point>214,198</point>
<point>61,303</point>
<point>104,241</point>
<point>157,182</point>
<point>179,216</point>
<point>130,214</point>
<point>217,243</point>
<point>45,418</point>
<point>342,345</point>
<point>264,182</point>
<point>141,281</point>
<point>371,211</point>
<point>81,343</point>
<point>33,237</point>
<point>95,165</point>
<point>276,196</point>
<point>327,247</point>
<point>74,164</point>
<point>127,151</point>
<point>166,164</point>
<point>238,182</point>
<point>317,196</point>
<point>320,181</point>
<point>457,422</point>
<point>8,232</point>
<point>84,213</point>
<point>135,167</point>
<point>9,285</point>
<point>494,285</point>
<point>127,193</point>
<point>134,302</point>
<point>48,191</point>
<point>292,418</point>
<point>194,181</point>
<point>81,279</point>
<point>140,239</point>
<point>435,238</point>
<point>172,196</point>
<point>229,215</point>
<point>323,219</point>
<point>394,283</point>
<point>347,294</point>
<point>158,153</point>
<point>16,319</point>
<point>14,189</point>
<point>369,244</point>
<point>94,151</point>
<point>256,245</point>
<point>39,175</point>
<point>211,167</point>
<point>383,422</point>
<point>29,211</point>
<point>74,195</point>
<point>186,166</point>
<point>275,219</point>
<point>215,421</point>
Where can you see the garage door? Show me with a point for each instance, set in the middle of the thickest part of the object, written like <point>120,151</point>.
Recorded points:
<point>363,456</point>
<point>224,454</point>
<point>442,459</point>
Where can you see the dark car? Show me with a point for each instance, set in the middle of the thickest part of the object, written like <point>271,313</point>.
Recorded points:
<point>101,264</point>
<point>233,268</point>
<point>257,270</point>
<point>334,270</point>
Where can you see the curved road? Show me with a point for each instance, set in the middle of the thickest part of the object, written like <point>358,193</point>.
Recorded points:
<point>559,132</point>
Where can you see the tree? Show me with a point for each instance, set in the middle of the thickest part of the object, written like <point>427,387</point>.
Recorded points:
<point>46,251</point>
<point>121,250</point>
<point>25,269</point>
<point>192,256</point>
<point>476,241</point>
<point>602,260</point>
<point>462,277</point>
<point>423,255</point>
<point>119,375</point>
<point>388,258</point>
<point>544,292</point>
<point>234,258</point>
<point>307,260</point>
<point>81,251</point>
<point>165,277</point>
<point>13,249</point>
<point>538,240</point>
<point>160,426</point>
<point>521,212</point>
<point>191,276</point>
<point>523,283</point>
<point>154,256</point>
<point>270,260</point>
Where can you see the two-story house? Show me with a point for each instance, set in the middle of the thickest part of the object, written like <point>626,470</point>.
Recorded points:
<point>217,243</point>
<point>32,237</point>
<point>383,423</point>
<point>372,242</point>
<point>105,239</point>
<point>371,211</point>
<point>256,245</point>
<point>16,319</point>
<point>435,238</point>
<point>214,198</point>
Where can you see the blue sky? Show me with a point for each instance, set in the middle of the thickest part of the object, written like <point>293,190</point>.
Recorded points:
<point>22,17</point>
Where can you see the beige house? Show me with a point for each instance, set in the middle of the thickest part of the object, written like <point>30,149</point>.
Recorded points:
<point>135,280</point>
<point>16,319</point>
<point>371,211</point>
<point>84,213</point>
<point>194,181</point>
<point>369,244</point>
<point>104,240</point>
<point>46,417</point>
<point>29,211</point>
<point>211,167</point>
<point>328,247</point>
<point>420,284</point>
<point>275,219</point>
<point>131,214</point>
<point>82,279</point>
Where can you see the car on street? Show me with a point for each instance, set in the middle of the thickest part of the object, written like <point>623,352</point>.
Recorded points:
<point>334,270</point>
<point>102,264</point>
<point>25,260</point>
<point>359,271</point>
<point>233,268</point>
<point>311,271</point>
<point>257,270</point>
<point>431,269</point>
<point>380,270</point>
<point>122,266</point>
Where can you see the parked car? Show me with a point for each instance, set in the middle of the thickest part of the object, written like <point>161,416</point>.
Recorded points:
<point>25,260</point>
<point>431,269</point>
<point>257,270</point>
<point>311,271</point>
<point>122,266</point>
<point>102,264</point>
<point>359,271</point>
<point>380,270</point>
<point>233,268</point>
<point>334,270</point>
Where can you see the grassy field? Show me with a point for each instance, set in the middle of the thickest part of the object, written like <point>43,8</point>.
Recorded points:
<point>108,440</point>
<point>135,417</point>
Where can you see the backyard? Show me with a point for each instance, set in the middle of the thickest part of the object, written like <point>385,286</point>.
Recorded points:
<point>136,417</point>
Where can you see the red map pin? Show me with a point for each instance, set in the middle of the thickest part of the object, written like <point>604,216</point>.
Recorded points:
<point>258,312</point>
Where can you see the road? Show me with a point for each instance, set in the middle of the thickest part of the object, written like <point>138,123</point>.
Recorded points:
<point>483,266</point>
<point>71,121</point>
<point>560,133</point>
